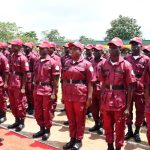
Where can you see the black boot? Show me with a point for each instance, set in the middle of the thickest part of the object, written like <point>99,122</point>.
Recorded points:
<point>20,126</point>
<point>30,109</point>
<point>2,117</point>
<point>46,135</point>
<point>14,125</point>
<point>77,145</point>
<point>129,134</point>
<point>40,133</point>
<point>137,135</point>
<point>1,139</point>
<point>110,146</point>
<point>69,144</point>
<point>66,123</point>
<point>100,131</point>
<point>96,127</point>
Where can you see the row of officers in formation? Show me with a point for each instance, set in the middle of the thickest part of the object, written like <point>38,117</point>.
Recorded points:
<point>108,85</point>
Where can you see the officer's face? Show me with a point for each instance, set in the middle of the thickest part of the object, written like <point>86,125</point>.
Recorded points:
<point>51,50</point>
<point>27,49</point>
<point>114,50</point>
<point>75,52</point>
<point>66,50</point>
<point>88,52</point>
<point>43,51</point>
<point>97,53</point>
<point>136,47</point>
<point>16,48</point>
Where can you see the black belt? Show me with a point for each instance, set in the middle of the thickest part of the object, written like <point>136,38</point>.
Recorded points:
<point>17,73</point>
<point>114,87</point>
<point>43,83</point>
<point>138,75</point>
<point>75,81</point>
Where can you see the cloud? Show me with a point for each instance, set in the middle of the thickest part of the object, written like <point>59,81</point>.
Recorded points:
<point>74,18</point>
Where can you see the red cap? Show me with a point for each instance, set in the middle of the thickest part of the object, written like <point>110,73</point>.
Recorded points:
<point>52,44</point>
<point>137,40</point>
<point>89,46</point>
<point>18,42</point>
<point>99,47</point>
<point>116,41</point>
<point>29,44</point>
<point>147,47</point>
<point>66,45</point>
<point>77,44</point>
<point>3,45</point>
<point>44,45</point>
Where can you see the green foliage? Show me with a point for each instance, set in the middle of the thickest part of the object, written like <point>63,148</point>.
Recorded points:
<point>28,36</point>
<point>85,40</point>
<point>124,28</point>
<point>8,31</point>
<point>53,36</point>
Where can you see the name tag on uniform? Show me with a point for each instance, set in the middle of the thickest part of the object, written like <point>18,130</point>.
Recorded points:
<point>91,69</point>
<point>57,68</point>
<point>26,64</point>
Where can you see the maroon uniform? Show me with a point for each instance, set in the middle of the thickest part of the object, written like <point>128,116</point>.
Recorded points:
<point>18,66</point>
<point>75,76</point>
<point>138,65</point>
<point>146,81</point>
<point>44,71</point>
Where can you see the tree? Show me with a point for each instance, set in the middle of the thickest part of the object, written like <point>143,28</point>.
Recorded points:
<point>85,40</point>
<point>124,28</point>
<point>30,36</point>
<point>8,31</point>
<point>53,36</point>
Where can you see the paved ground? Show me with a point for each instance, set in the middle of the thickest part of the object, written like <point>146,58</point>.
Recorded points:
<point>59,133</point>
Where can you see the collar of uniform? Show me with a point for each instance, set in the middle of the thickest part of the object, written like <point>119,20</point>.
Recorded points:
<point>80,59</point>
<point>141,55</point>
<point>17,54</point>
<point>118,62</point>
<point>46,58</point>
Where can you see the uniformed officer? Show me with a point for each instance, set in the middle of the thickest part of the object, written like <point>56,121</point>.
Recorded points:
<point>117,79</point>
<point>89,52</point>
<point>29,84</point>
<point>77,93</point>
<point>95,107</point>
<point>46,75</point>
<point>4,69</point>
<point>146,81</point>
<point>138,61</point>
<point>16,85</point>
<point>146,50</point>
<point>58,60</point>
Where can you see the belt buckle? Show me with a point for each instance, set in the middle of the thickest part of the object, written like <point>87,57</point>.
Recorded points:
<point>40,83</point>
<point>110,86</point>
<point>71,81</point>
<point>14,72</point>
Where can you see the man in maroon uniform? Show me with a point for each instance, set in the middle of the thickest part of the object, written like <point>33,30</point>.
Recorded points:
<point>138,61</point>
<point>117,79</point>
<point>16,86</point>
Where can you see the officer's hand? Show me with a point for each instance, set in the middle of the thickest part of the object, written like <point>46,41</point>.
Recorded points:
<point>23,90</point>
<point>53,96</point>
<point>88,103</point>
<point>126,112</point>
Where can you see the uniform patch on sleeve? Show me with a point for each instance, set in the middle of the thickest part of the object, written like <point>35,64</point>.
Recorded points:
<point>26,64</point>
<point>132,72</point>
<point>91,69</point>
<point>57,68</point>
<point>7,65</point>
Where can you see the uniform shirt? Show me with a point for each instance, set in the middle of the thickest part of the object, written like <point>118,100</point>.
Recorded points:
<point>19,64</point>
<point>32,58</point>
<point>119,74</point>
<point>97,83</point>
<point>80,70</point>
<point>57,59</point>
<point>4,67</point>
<point>138,64</point>
<point>44,71</point>
<point>146,81</point>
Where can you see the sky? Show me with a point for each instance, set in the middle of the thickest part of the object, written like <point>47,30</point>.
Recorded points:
<point>74,18</point>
